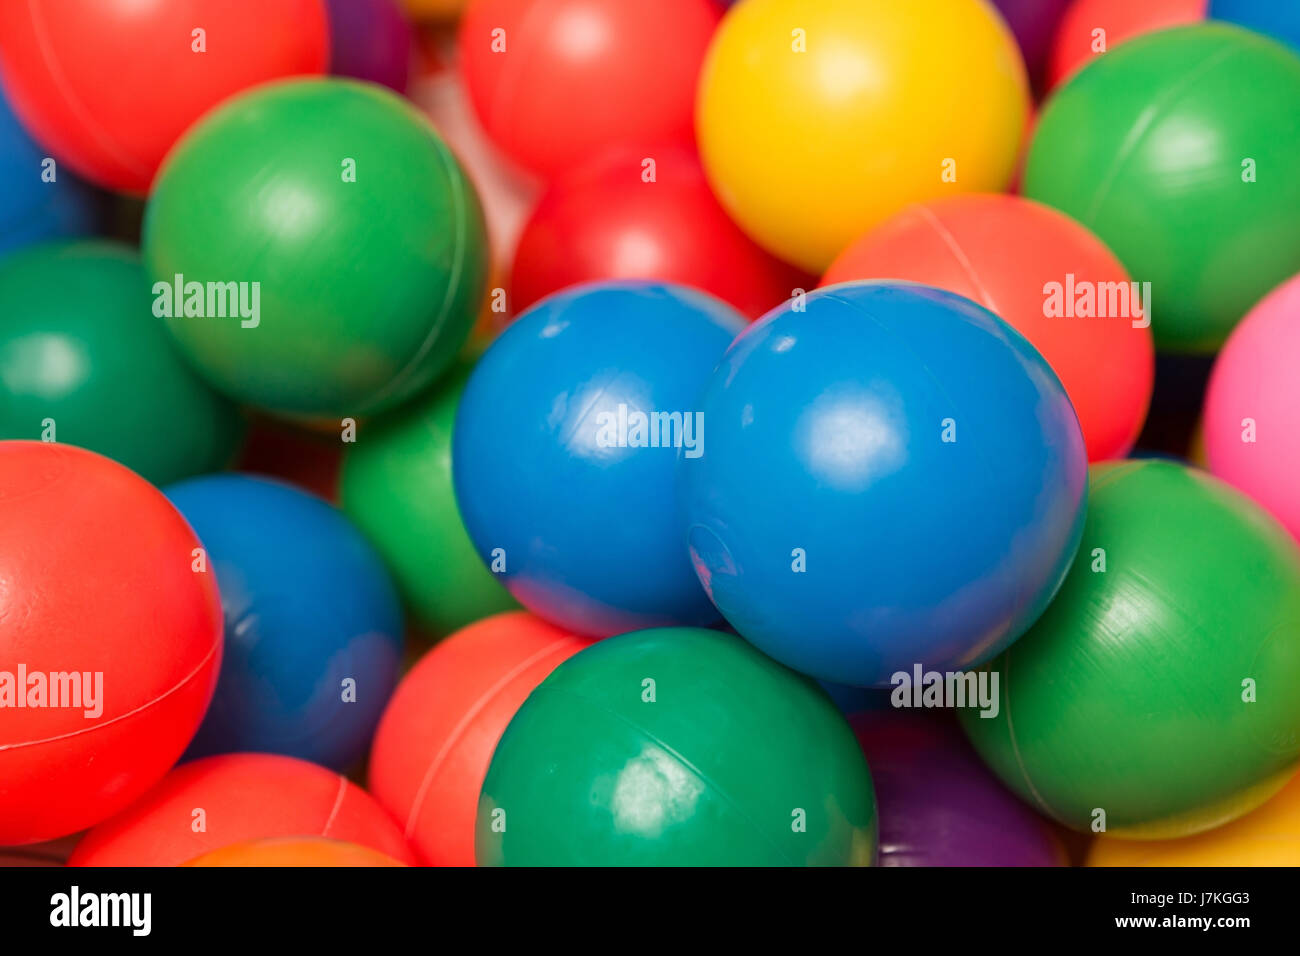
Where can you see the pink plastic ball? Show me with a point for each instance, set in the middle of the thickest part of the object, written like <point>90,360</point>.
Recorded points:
<point>1252,407</point>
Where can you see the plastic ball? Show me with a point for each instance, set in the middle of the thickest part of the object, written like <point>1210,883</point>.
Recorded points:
<point>313,624</point>
<point>604,221</point>
<point>370,40</point>
<point>939,806</point>
<point>1252,407</point>
<point>1179,621</point>
<point>1193,179</point>
<point>1093,27</point>
<point>855,700</point>
<point>290,851</point>
<point>109,642</point>
<point>1034,24</point>
<point>110,85</point>
<point>1269,836</point>
<point>681,747</point>
<point>1012,256</point>
<point>931,478</point>
<point>396,486</point>
<point>1280,20</point>
<point>556,81</point>
<point>816,122</point>
<point>434,9</point>
<point>83,361</point>
<point>279,186</point>
<point>565,453</point>
<point>240,797</point>
<point>33,209</point>
<point>438,734</point>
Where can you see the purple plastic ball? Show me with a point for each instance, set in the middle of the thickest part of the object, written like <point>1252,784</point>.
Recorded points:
<point>1034,23</point>
<point>939,805</point>
<point>370,40</point>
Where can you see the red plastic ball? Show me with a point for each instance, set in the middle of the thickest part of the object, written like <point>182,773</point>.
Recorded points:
<point>1007,253</point>
<point>110,85</point>
<point>110,643</point>
<point>220,801</point>
<point>556,81</point>
<point>1092,27</point>
<point>437,736</point>
<point>606,221</point>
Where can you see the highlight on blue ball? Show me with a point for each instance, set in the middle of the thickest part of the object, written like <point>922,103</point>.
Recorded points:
<point>313,627</point>
<point>566,446</point>
<point>33,207</point>
<point>894,476</point>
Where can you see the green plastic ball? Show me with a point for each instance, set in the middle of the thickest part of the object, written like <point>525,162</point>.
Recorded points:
<point>83,361</point>
<point>1181,150</point>
<point>676,747</point>
<point>363,235</point>
<point>1157,696</point>
<point>396,487</point>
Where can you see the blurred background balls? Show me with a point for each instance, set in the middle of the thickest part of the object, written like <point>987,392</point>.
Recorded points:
<point>118,605</point>
<point>396,486</point>
<point>893,476</point>
<point>566,482</point>
<point>40,200</point>
<point>681,747</point>
<point>109,85</point>
<point>1032,266</point>
<point>280,186</point>
<point>602,220</point>
<point>313,624</point>
<point>288,851</point>
<point>239,797</point>
<point>1252,407</point>
<point>370,40</point>
<point>437,737</point>
<point>939,806</point>
<point>1179,622</point>
<point>1091,28</point>
<point>1269,836</point>
<point>1034,24</point>
<point>1191,177</point>
<point>434,10</point>
<point>818,121</point>
<point>83,360</point>
<point>1279,19</point>
<point>556,81</point>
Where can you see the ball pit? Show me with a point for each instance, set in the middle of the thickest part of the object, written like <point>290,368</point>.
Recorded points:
<point>1012,255</point>
<point>790,134</point>
<point>939,805</point>
<point>851,429</point>
<point>294,852</point>
<point>33,209</point>
<point>553,80</point>
<point>604,221</point>
<point>562,477</point>
<point>396,486</point>
<point>1184,599</point>
<point>168,63</point>
<point>1252,407</point>
<point>272,188</point>
<point>437,736</point>
<point>131,678</point>
<point>313,625</point>
<point>90,365</point>
<point>681,746</point>
<point>222,801</point>
<point>1193,179</point>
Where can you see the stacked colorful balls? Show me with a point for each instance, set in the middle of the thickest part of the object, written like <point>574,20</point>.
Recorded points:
<point>343,524</point>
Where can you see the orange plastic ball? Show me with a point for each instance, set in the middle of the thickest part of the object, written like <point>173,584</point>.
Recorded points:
<point>291,851</point>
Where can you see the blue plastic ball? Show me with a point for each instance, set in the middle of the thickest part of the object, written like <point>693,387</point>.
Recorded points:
<point>313,640</point>
<point>1279,19</point>
<point>31,209</point>
<point>894,476</point>
<point>563,474</point>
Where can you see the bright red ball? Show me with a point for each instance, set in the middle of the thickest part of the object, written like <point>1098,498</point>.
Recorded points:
<point>110,642</point>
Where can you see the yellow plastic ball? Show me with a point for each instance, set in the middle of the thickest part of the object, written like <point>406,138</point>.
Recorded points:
<point>818,119</point>
<point>1267,836</point>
